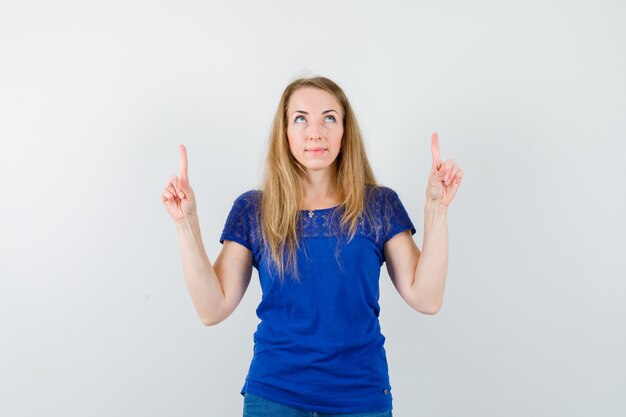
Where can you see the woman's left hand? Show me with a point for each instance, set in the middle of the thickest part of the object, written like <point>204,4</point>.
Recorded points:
<point>445,177</point>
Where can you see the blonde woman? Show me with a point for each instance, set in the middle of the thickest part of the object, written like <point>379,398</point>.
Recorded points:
<point>317,231</point>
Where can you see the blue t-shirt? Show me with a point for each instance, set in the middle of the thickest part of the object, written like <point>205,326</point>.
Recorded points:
<point>319,345</point>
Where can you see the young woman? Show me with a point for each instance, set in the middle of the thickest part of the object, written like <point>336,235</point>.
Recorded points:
<point>318,231</point>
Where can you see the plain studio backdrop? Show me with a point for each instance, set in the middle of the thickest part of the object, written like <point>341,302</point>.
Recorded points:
<point>528,97</point>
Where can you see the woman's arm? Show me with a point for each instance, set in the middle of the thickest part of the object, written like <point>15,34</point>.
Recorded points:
<point>200,277</point>
<point>418,276</point>
<point>432,268</point>
<point>216,290</point>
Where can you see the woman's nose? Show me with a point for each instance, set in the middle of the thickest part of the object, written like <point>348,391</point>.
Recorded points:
<point>314,131</point>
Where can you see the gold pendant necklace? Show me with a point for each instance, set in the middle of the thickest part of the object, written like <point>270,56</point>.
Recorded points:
<point>311,213</point>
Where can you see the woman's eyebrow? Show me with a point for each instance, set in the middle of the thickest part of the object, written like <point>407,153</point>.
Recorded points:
<point>324,112</point>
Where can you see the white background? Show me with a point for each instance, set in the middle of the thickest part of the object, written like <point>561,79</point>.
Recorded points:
<point>528,97</point>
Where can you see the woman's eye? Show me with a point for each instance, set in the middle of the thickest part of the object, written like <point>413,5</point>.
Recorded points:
<point>302,117</point>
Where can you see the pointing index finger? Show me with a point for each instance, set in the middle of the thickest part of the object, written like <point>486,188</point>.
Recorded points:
<point>435,150</point>
<point>183,161</point>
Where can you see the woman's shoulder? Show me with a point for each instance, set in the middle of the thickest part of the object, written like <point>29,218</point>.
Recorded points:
<point>250,195</point>
<point>384,201</point>
<point>379,193</point>
<point>248,201</point>
<point>378,188</point>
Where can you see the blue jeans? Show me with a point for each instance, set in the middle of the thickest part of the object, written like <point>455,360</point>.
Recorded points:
<point>255,406</point>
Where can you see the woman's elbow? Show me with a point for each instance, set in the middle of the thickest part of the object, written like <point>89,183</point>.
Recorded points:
<point>428,308</point>
<point>211,321</point>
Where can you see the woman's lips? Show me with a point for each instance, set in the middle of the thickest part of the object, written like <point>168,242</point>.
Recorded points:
<point>316,151</point>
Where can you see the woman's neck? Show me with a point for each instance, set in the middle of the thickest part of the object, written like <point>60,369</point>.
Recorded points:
<point>319,191</point>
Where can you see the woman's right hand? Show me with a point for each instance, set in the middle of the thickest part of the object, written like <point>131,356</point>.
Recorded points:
<point>177,196</point>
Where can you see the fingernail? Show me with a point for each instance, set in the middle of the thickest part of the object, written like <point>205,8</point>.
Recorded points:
<point>180,195</point>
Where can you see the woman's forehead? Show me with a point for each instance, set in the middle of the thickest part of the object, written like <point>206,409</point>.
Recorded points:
<point>309,98</point>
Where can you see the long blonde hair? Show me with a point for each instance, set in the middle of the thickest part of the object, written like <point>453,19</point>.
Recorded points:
<point>283,178</point>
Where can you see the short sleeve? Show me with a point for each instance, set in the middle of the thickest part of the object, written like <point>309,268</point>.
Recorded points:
<point>396,215</point>
<point>237,226</point>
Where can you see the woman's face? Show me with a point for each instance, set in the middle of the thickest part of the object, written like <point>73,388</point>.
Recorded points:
<point>314,127</point>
